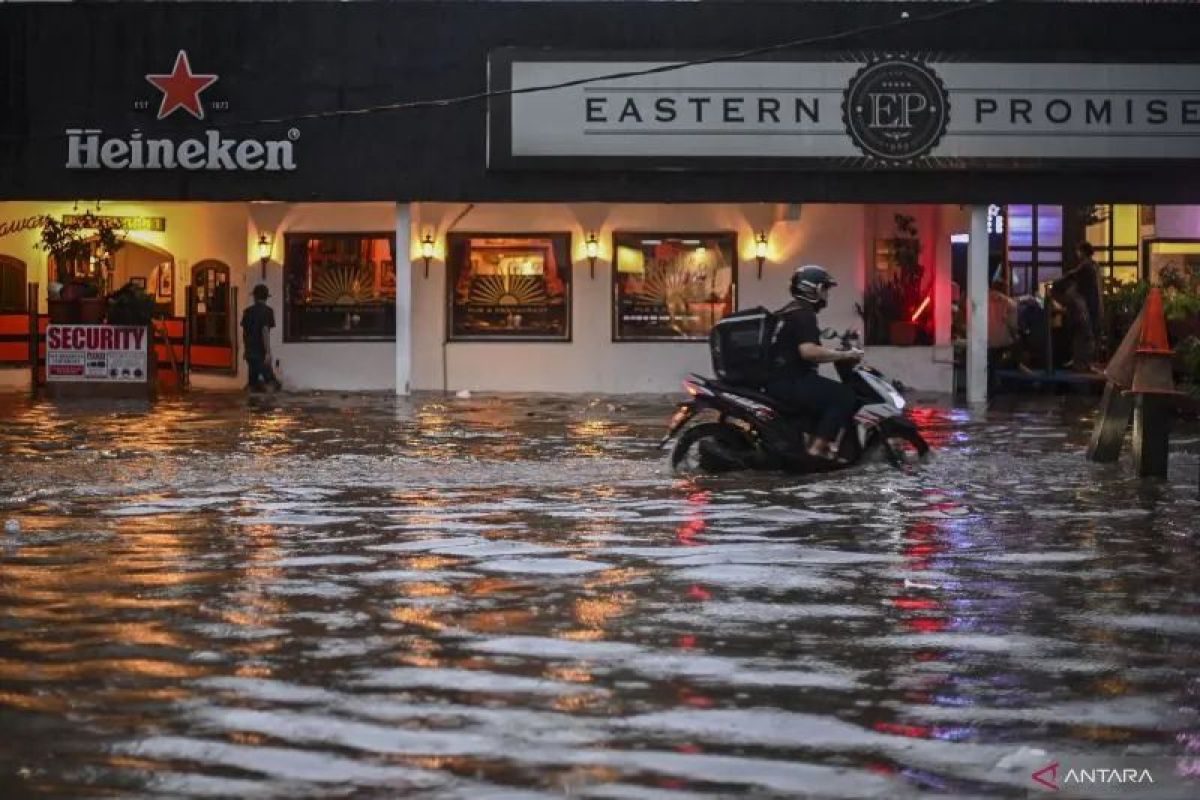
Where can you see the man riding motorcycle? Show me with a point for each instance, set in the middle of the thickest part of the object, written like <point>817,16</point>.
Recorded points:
<point>796,353</point>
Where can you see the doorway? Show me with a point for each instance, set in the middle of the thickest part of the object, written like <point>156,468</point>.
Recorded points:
<point>211,304</point>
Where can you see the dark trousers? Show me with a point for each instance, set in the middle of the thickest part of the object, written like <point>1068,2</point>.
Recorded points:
<point>260,371</point>
<point>1083,331</point>
<point>831,403</point>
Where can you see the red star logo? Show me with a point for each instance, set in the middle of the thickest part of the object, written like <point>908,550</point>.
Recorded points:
<point>182,88</point>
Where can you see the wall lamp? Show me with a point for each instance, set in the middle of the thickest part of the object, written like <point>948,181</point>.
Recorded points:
<point>760,251</point>
<point>264,252</point>
<point>592,248</point>
<point>427,250</point>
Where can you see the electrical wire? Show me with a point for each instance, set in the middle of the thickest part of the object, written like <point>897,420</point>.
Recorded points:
<point>903,20</point>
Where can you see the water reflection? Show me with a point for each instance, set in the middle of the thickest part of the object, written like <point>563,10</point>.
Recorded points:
<point>316,595</point>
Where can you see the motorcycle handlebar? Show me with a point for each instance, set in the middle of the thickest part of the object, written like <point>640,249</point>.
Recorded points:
<point>847,337</point>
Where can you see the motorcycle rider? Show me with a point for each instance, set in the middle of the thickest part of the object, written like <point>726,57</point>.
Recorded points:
<point>796,353</point>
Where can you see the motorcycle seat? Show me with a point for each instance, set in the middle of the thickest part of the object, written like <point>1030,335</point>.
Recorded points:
<point>752,394</point>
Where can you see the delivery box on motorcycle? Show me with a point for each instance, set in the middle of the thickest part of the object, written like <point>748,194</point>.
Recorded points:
<point>740,345</point>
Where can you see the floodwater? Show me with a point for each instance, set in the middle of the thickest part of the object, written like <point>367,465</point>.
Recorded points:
<point>503,597</point>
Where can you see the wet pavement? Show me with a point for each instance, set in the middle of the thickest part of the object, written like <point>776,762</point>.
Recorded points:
<point>330,596</point>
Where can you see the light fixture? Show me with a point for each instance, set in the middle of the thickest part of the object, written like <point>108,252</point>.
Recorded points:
<point>592,247</point>
<point>427,250</point>
<point>760,251</point>
<point>264,253</point>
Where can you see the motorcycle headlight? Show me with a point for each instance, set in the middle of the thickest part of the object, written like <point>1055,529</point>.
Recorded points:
<point>897,400</point>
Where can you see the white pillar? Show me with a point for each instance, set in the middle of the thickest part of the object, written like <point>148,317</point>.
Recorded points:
<point>403,298</point>
<point>977,307</point>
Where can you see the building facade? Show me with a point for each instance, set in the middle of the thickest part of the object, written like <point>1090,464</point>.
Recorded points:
<point>546,197</point>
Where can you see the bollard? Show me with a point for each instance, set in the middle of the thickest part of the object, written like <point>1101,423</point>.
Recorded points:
<point>1154,387</point>
<point>1151,435</point>
<point>1116,409</point>
<point>1116,406</point>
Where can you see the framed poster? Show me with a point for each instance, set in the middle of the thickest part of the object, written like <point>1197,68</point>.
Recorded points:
<point>672,286</point>
<point>508,287</point>
<point>164,281</point>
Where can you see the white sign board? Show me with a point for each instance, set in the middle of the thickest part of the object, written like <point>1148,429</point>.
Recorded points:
<point>890,111</point>
<point>96,353</point>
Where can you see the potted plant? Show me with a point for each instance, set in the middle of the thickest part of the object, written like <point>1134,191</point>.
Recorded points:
<point>130,305</point>
<point>889,303</point>
<point>65,243</point>
<point>80,300</point>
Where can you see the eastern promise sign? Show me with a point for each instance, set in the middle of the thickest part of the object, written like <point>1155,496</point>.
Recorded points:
<point>893,110</point>
<point>96,353</point>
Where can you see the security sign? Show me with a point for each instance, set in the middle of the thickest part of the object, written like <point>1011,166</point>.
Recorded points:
<point>96,353</point>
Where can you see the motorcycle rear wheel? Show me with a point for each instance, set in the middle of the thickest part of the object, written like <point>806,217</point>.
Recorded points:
<point>688,456</point>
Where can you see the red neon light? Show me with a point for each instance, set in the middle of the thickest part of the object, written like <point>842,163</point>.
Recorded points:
<point>922,307</point>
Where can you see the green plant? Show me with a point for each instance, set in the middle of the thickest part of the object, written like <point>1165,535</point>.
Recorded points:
<point>65,242</point>
<point>1188,353</point>
<point>880,306</point>
<point>896,297</point>
<point>1122,302</point>
<point>69,242</point>
<point>130,305</point>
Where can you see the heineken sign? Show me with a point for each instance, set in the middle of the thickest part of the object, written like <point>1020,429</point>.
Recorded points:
<point>209,150</point>
<point>90,149</point>
<point>891,110</point>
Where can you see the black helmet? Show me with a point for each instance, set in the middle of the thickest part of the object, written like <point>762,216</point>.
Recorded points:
<point>807,282</point>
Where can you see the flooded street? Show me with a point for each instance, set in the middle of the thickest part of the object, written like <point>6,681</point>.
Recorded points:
<point>328,596</point>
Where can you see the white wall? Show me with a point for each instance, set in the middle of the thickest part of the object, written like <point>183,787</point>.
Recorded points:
<point>369,366</point>
<point>833,236</point>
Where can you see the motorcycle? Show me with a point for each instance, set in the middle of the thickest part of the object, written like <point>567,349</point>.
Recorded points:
<point>754,431</point>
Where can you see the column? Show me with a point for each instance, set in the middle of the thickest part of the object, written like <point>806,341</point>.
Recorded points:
<point>403,298</point>
<point>977,307</point>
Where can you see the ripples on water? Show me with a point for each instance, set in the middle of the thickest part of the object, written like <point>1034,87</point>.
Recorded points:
<point>510,597</point>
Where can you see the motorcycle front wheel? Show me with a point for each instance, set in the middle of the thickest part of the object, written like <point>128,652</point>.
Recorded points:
<point>900,442</point>
<point>712,447</point>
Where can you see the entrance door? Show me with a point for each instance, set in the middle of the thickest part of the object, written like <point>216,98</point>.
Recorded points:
<point>210,305</point>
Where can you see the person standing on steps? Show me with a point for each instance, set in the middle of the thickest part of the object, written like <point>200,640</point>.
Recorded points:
<point>257,322</point>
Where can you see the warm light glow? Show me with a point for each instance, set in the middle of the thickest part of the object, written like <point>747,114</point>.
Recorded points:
<point>921,308</point>
<point>760,246</point>
<point>592,247</point>
<point>427,246</point>
<point>264,247</point>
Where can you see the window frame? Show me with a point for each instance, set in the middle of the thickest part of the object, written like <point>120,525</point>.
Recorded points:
<point>1034,249</point>
<point>614,296</point>
<point>1104,254</point>
<point>451,278</point>
<point>291,338</point>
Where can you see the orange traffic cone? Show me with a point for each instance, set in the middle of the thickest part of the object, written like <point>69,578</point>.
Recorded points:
<point>1152,360</point>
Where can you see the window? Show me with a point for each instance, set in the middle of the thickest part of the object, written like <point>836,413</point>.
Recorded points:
<point>339,286</point>
<point>1034,246</point>
<point>1115,236</point>
<point>672,287</point>
<point>506,286</point>
<point>12,285</point>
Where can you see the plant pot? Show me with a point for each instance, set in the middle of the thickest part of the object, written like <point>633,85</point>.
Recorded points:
<point>92,310</point>
<point>903,333</point>
<point>63,312</point>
